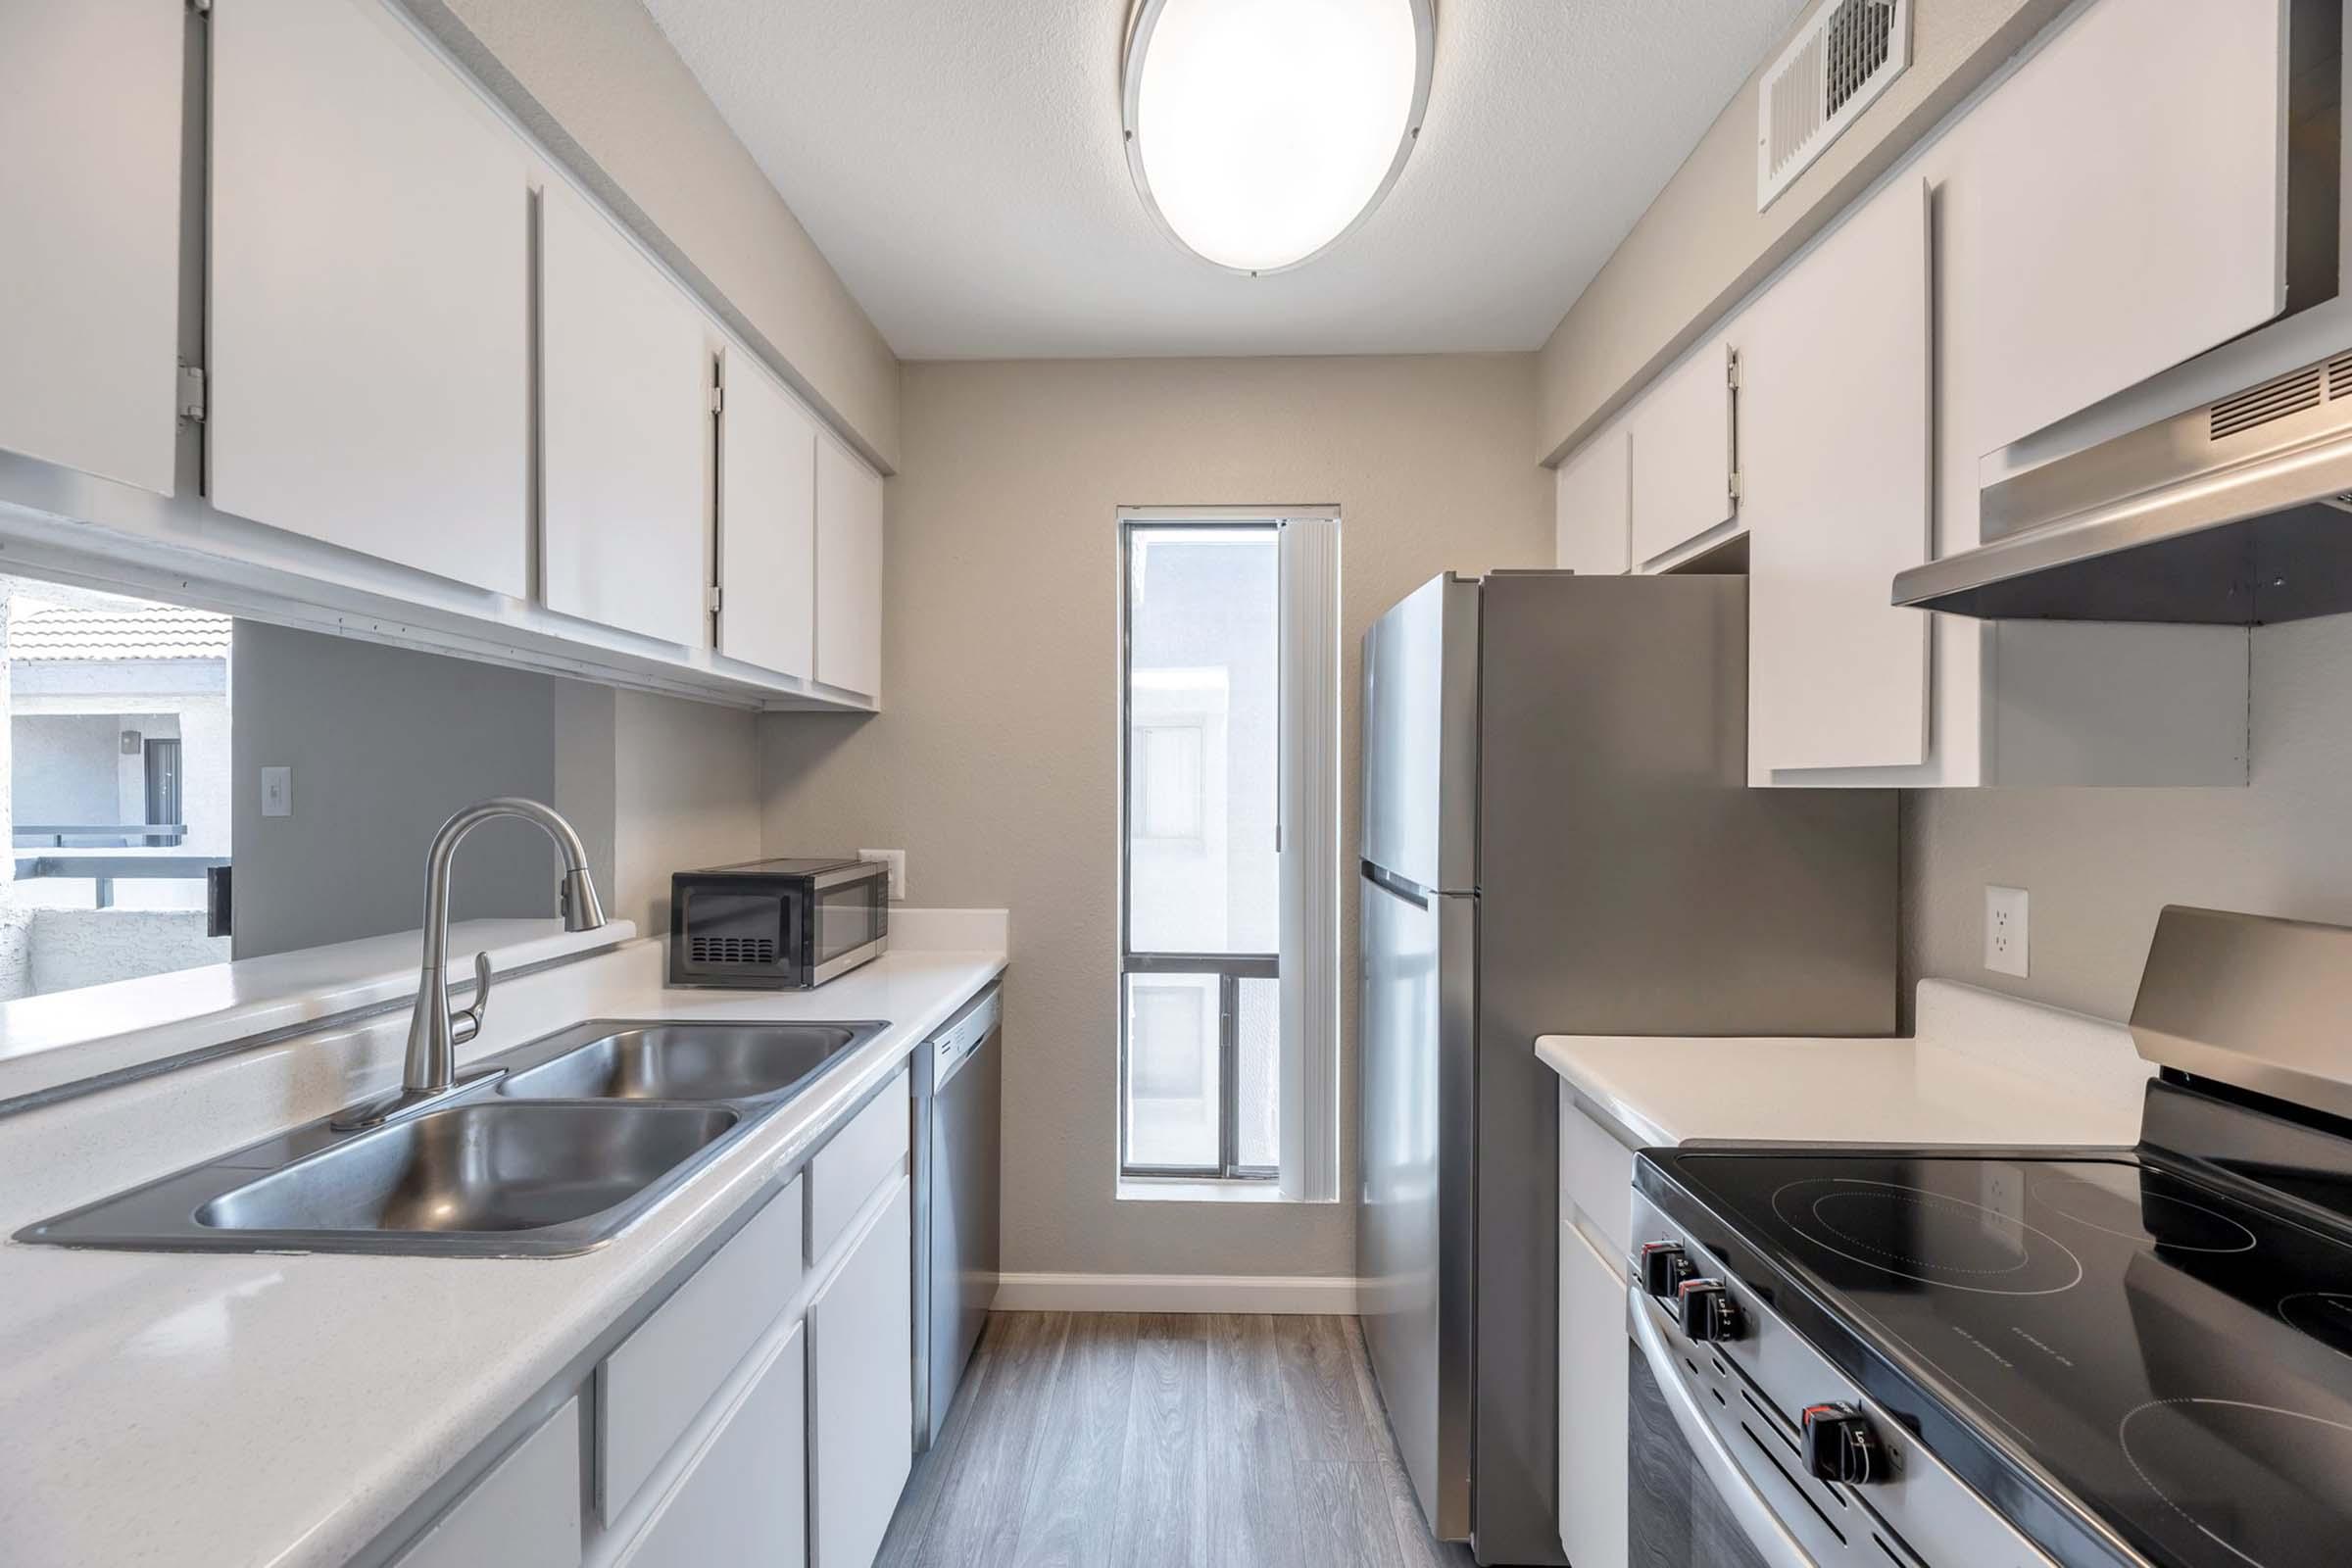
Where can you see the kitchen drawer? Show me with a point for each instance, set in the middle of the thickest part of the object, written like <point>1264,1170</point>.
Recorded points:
<point>861,1157</point>
<point>1597,1177</point>
<point>650,1390</point>
<point>525,1513</point>
<point>742,1498</point>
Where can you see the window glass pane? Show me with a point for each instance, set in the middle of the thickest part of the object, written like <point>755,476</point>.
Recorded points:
<point>1257,1087</point>
<point>1203,618</point>
<point>1172,1092</point>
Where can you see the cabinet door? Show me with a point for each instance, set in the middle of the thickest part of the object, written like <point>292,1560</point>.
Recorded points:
<point>625,381</point>
<point>744,1499</point>
<point>767,525</point>
<point>1837,473</point>
<point>1592,522</point>
<point>2129,183</point>
<point>89,203</point>
<point>1681,483</point>
<point>370,279</point>
<point>849,571</point>
<point>525,1513</point>
<point>862,1387</point>
<point>1593,1352</point>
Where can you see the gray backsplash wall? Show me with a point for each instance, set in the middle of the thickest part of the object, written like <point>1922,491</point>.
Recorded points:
<point>384,744</point>
<point>2101,862</point>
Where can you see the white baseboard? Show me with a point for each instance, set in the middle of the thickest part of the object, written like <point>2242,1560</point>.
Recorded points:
<point>1176,1293</point>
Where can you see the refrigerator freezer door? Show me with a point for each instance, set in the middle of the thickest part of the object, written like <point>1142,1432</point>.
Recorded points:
<point>1413,1226</point>
<point>1421,738</point>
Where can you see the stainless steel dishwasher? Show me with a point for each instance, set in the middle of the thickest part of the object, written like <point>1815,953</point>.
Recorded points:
<point>958,1102</point>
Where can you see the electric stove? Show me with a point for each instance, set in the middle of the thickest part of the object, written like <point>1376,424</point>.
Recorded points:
<point>2098,1357</point>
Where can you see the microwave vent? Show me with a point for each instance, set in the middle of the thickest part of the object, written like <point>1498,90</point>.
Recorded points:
<point>2339,376</point>
<point>2276,400</point>
<point>732,949</point>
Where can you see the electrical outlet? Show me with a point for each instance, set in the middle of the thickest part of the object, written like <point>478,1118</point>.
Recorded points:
<point>277,792</point>
<point>2005,931</point>
<point>895,859</point>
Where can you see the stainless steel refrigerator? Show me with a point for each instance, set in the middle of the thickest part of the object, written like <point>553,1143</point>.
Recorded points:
<point>1558,839</point>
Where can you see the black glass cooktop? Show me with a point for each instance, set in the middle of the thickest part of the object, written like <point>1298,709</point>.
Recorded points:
<point>2171,1356</point>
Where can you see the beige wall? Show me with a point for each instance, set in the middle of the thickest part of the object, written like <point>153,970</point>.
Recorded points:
<point>1702,246</point>
<point>655,785</point>
<point>598,82</point>
<point>2099,864</point>
<point>993,764</point>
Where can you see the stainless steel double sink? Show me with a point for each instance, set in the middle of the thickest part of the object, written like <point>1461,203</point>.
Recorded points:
<point>560,1146</point>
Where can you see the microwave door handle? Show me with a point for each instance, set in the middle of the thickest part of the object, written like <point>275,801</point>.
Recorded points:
<point>1775,1547</point>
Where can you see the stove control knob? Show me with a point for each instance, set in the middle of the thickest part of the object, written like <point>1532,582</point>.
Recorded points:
<point>1839,1446</point>
<point>1708,1311</point>
<point>1664,1267</point>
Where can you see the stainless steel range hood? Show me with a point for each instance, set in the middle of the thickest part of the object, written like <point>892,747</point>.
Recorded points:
<point>2232,514</point>
<point>2238,513</point>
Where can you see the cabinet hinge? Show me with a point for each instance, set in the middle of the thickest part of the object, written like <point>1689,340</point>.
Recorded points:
<point>191,392</point>
<point>1730,369</point>
<point>718,400</point>
<point>1734,487</point>
<point>714,598</point>
<point>202,8</point>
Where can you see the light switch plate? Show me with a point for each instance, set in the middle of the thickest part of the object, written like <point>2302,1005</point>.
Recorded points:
<point>2005,931</point>
<point>277,792</point>
<point>895,859</point>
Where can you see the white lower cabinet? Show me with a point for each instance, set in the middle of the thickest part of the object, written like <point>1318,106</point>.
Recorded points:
<point>1593,1396</point>
<point>525,1513</point>
<point>861,1406</point>
<point>741,1499</point>
<point>762,1412</point>
<point>1597,1206</point>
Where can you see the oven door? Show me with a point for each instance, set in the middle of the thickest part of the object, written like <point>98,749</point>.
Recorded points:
<point>1691,1500</point>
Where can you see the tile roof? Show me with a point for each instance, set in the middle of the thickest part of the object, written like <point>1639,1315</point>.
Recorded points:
<point>160,631</point>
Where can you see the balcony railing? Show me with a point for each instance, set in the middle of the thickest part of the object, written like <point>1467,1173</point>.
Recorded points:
<point>100,835</point>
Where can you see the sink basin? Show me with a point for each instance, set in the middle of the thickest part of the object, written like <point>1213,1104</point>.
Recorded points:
<point>685,1061</point>
<point>485,1166</point>
<point>587,1128</point>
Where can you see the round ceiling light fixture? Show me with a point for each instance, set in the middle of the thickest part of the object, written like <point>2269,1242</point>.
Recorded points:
<point>1260,131</point>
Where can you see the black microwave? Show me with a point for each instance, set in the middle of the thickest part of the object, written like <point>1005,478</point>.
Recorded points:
<point>777,925</point>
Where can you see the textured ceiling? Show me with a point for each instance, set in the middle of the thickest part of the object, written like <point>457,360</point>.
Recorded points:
<point>959,163</point>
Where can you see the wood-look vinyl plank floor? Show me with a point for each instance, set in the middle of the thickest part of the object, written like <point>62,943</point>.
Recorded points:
<point>1219,1441</point>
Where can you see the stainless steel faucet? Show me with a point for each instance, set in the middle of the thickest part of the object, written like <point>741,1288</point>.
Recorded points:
<point>434,1031</point>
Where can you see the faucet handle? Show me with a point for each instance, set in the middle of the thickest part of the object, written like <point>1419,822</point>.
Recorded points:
<point>466,1022</point>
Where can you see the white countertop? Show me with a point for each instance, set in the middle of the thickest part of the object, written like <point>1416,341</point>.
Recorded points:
<point>1983,1068</point>
<point>185,1408</point>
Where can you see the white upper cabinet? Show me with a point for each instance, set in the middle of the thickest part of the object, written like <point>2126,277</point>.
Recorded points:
<point>626,374</point>
<point>1837,475</point>
<point>767,525</point>
<point>849,571</point>
<point>2128,195</point>
<point>369,274</point>
<point>90,205</point>
<point>1591,521</point>
<point>1681,483</point>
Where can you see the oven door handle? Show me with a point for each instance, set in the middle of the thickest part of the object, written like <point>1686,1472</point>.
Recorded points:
<point>1746,1505</point>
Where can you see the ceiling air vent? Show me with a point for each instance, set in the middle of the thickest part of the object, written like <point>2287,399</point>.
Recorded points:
<point>1846,55</point>
<point>2273,400</point>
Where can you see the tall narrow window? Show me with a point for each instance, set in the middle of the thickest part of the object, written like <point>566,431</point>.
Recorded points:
<point>1209,728</point>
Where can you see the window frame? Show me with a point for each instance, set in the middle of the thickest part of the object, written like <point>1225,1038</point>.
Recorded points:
<point>1230,968</point>
<point>1307,1132</point>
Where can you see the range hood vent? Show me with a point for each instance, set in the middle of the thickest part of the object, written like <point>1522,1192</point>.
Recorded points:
<point>2235,514</point>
